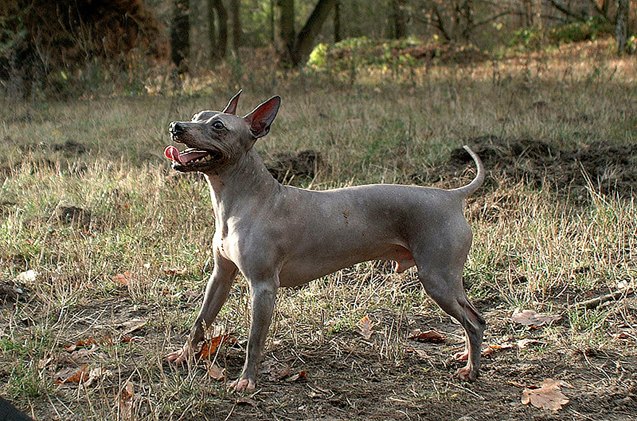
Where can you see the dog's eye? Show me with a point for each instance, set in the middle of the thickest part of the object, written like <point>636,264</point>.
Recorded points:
<point>218,125</point>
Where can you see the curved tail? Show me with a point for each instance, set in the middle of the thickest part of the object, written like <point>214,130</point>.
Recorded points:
<point>478,180</point>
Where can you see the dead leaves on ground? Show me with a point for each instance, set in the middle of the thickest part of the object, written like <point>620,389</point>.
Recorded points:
<point>82,375</point>
<point>78,356</point>
<point>547,396</point>
<point>430,336</point>
<point>533,320</point>
<point>365,327</point>
<point>210,346</point>
<point>125,401</point>
<point>123,279</point>
<point>278,372</point>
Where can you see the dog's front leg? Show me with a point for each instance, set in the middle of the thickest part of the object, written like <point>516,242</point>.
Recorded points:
<point>217,291</point>
<point>263,296</point>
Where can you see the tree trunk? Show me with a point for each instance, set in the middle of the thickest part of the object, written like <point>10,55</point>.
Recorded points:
<point>469,23</point>
<point>337,21</point>
<point>621,25</point>
<point>212,33</point>
<point>180,35</point>
<point>399,19</point>
<point>285,35</point>
<point>273,37</point>
<point>305,40</point>
<point>222,24</point>
<point>237,30</point>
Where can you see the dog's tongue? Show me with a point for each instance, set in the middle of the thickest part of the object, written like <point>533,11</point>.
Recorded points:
<point>172,153</point>
<point>184,157</point>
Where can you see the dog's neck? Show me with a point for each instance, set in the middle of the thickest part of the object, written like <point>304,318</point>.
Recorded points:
<point>246,183</point>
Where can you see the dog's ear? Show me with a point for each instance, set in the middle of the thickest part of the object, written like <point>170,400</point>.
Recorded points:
<point>231,108</point>
<point>262,117</point>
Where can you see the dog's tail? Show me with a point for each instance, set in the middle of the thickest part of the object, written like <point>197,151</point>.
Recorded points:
<point>478,180</point>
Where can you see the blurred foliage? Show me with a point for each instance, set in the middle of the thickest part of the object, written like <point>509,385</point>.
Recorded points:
<point>73,48</point>
<point>537,38</point>
<point>403,53</point>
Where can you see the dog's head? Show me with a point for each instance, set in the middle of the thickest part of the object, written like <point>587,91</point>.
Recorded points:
<point>218,139</point>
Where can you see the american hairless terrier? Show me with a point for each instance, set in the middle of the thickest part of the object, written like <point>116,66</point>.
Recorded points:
<point>278,235</point>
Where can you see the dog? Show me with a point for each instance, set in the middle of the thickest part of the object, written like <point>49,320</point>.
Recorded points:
<point>282,236</point>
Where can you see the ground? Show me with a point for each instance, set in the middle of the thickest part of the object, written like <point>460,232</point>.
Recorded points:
<point>104,251</point>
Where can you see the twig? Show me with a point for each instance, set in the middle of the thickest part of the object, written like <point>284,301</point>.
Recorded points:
<point>467,390</point>
<point>597,301</point>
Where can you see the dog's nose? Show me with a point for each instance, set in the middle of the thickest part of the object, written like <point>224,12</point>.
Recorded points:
<point>175,128</point>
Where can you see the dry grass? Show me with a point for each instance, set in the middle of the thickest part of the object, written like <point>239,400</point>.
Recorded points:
<point>539,249</point>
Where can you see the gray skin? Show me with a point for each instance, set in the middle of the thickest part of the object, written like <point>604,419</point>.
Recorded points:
<point>279,235</point>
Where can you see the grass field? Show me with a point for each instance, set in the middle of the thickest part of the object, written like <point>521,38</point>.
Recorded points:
<point>121,248</point>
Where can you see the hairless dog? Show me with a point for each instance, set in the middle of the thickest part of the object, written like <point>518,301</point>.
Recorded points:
<point>279,235</point>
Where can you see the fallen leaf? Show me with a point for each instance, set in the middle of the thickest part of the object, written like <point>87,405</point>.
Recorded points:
<point>27,276</point>
<point>132,325</point>
<point>532,319</point>
<point>547,396</point>
<point>81,355</point>
<point>129,338</point>
<point>126,401</point>
<point>365,327</point>
<point>122,278</point>
<point>281,373</point>
<point>97,374</point>
<point>80,343</point>
<point>300,376</point>
<point>72,375</point>
<point>244,400</point>
<point>622,335</point>
<point>491,349</point>
<point>420,353</point>
<point>215,372</point>
<point>175,271</point>
<point>209,348</point>
<point>43,362</point>
<point>523,343</point>
<point>431,336</point>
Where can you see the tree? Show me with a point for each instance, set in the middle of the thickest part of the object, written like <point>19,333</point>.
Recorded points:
<point>180,35</point>
<point>337,21</point>
<point>237,30</point>
<point>621,25</point>
<point>218,32</point>
<point>286,33</point>
<point>399,19</point>
<point>294,49</point>
<point>457,20</point>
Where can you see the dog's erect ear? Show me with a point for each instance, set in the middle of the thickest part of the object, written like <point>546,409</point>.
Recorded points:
<point>231,108</point>
<point>262,117</point>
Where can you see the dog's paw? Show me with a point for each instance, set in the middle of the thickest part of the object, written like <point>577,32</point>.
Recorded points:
<point>466,374</point>
<point>241,385</point>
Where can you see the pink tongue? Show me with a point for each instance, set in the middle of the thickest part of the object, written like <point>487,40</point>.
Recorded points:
<point>172,153</point>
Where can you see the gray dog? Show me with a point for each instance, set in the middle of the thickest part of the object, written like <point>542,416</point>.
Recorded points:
<point>278,235</point>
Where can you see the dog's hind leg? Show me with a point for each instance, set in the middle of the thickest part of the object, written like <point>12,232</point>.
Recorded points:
<point>448,293</point>
<point>441,274</point>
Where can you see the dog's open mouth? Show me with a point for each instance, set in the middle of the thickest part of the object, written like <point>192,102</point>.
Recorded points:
<point>190,156</point>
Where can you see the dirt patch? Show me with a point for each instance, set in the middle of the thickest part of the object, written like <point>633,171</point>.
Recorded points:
<point>291,168</point>
<point>72,215</point>
<point>70,147</point>
<point>11,292</point>
<point>603,167</point>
